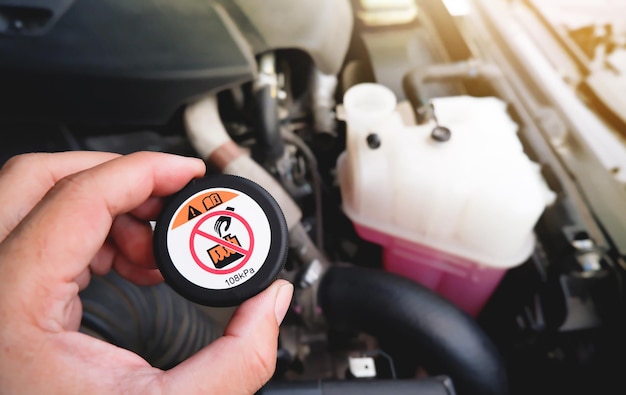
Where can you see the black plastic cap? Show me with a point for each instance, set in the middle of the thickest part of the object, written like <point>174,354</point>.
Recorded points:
<point>185,228</point>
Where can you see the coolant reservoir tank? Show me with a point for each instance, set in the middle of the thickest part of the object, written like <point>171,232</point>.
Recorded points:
<point>453,201</point>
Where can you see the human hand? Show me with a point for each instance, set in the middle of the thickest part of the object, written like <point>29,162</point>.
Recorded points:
<point>65,216</point>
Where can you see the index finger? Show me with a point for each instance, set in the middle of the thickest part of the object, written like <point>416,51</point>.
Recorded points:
<point>57,240</point>
<point>29,176</point>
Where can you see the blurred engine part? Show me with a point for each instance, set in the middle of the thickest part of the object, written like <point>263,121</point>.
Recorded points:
<point>416,324</point>
<point>432,386</point>
<point>77,61</point>
<point>584,142</point>
<point>257,88</point>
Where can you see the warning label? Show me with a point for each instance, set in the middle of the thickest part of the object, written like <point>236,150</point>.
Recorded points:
<point>225,251</point>
<point>219,239</point>
<point>200,205</point>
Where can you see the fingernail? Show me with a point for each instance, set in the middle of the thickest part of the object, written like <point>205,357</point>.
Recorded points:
<point>283,300</point>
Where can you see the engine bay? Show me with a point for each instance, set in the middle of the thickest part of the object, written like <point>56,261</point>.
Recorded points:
<point>454,182</point>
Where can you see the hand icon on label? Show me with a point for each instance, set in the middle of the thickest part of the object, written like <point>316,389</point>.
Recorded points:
<point>223,220</point>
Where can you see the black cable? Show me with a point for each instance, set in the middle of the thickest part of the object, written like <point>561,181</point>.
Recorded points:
<point>292,138</point>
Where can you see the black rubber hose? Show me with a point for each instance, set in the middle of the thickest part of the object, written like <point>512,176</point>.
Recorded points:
<point>270,141</point>
<point>416,81</point>
<point>393,308</point>
<point>155,322</point>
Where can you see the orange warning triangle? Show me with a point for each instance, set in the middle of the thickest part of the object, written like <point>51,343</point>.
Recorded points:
<point>193,213</point>
<point>200,204</point>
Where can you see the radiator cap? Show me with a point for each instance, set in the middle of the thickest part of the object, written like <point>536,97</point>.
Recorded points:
<point>221,240</point>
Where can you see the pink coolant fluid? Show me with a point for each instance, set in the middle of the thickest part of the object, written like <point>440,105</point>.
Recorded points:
<point>454,213</point>
<point>466,284</point>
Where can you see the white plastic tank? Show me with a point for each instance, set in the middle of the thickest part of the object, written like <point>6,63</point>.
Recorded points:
<point>454,215</point>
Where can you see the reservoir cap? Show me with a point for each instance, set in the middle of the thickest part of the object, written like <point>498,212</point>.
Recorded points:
<point>221,240</point>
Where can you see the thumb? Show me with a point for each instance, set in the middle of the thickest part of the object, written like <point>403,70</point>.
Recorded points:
<point>244,359</point>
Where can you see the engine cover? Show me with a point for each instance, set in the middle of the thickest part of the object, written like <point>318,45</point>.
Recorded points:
<point>138,62</point>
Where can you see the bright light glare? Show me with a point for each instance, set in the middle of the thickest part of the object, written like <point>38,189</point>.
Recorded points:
<point>387,12</point>
<point>374,4</point>
<point>457,7</point>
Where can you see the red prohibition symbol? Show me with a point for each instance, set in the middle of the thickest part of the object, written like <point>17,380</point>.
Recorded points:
<point>197,232</point>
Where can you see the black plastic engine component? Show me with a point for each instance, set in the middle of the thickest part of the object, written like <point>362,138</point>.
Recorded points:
<point>429,386</point>
<point>117,62</point>
<point>397,310</point>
